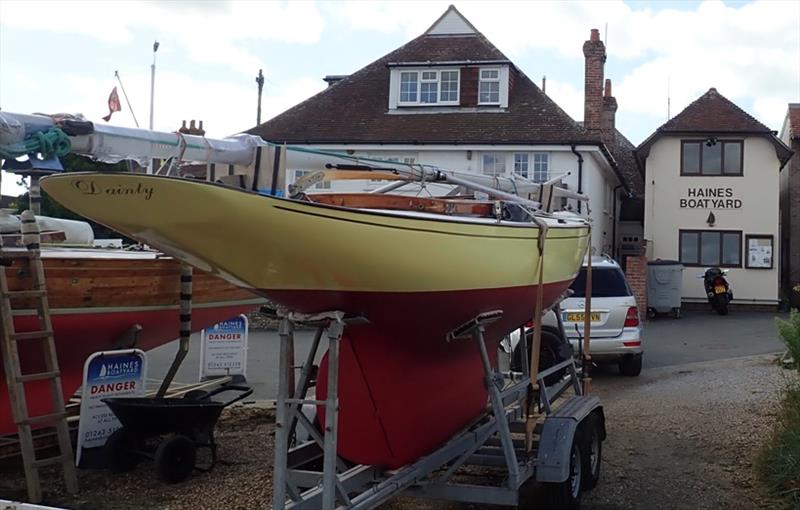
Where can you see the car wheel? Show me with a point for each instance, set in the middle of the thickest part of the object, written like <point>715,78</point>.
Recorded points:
<point>630,365</point>
<point>554,350</point>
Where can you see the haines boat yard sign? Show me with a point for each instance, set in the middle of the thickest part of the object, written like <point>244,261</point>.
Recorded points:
<point>710,198</point>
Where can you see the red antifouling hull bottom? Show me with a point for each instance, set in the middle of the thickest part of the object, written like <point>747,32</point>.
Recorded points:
<point>403,389</point>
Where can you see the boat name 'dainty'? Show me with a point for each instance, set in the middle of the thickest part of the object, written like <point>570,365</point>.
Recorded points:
<point>88,187</point>
<point>710,198</point>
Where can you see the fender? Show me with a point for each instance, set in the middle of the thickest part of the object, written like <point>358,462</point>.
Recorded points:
<point>558,432</point>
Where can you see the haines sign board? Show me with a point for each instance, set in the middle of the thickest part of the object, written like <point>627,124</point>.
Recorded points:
<point>224,349</point>
<point>107,374</point>
<point>710,198</point>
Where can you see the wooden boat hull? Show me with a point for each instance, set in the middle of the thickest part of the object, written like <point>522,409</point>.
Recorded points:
<point>95,296</point>
<point>415,276</point>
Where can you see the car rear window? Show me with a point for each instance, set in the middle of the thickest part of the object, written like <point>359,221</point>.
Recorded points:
<point>606,282</point>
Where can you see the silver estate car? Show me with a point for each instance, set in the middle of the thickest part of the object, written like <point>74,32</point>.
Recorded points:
<point>616,330</point>
<point>615,326</point>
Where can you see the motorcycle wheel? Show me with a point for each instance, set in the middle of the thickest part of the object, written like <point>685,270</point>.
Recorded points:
<point>721,304</point>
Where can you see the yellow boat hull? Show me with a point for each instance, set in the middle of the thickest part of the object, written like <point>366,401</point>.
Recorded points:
<point>403,389</point>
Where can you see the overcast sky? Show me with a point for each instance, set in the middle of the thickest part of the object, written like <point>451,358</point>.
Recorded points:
<point>61,56</point>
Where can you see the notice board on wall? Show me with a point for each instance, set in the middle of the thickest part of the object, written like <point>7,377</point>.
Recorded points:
<point>759,251</point>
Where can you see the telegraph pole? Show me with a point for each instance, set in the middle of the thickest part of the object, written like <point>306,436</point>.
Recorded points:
<point>260,81</point>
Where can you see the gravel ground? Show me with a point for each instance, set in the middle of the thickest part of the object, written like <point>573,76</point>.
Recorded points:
<point>681,437</point>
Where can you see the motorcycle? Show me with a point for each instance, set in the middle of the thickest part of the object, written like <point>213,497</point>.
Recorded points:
<point>717,288</point>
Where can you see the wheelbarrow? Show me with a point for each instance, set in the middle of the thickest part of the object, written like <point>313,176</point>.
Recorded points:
<point>167,430</point>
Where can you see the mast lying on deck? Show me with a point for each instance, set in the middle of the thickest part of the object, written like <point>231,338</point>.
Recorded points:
<point>261,164</point>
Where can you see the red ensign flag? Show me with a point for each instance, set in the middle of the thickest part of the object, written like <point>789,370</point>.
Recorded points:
<point>113,104</point>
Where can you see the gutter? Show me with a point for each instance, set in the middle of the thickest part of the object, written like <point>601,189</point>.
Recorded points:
<point>614,222</point>
<point>580,173</point>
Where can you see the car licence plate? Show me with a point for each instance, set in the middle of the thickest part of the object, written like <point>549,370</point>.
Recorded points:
<point>719,289</point>
<point>579,317</point>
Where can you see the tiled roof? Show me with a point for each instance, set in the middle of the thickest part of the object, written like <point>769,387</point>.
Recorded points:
<point>626,164</point>
<point>355,109</point>
<point>713,112</point>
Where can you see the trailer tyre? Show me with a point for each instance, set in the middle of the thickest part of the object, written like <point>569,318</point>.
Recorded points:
<point>119,451</point>
<point>591,450</point>
<point>566,495</point>
<point>175,458</point>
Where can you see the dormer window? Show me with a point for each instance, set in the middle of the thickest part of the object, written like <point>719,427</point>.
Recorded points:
<point>428,87</point>
<point>489,87</point>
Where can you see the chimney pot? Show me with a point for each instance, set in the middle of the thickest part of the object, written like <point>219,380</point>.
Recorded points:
<point>595,35</point>
<point>607,91</point>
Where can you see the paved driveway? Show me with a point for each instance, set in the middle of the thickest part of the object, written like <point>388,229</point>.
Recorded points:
<point>707,336</point>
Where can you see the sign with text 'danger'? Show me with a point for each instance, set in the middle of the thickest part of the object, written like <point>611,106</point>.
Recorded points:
<point>224,349</point>
<point>107,374</point>
<point>710,198</point>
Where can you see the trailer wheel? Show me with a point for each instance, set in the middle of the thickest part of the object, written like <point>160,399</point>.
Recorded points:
<point>175,458</point>
<point>592,450</point>
<point>119,451</point>
<point>566,495</point>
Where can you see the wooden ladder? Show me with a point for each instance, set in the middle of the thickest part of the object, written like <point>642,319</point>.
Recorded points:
<point>16,379</point>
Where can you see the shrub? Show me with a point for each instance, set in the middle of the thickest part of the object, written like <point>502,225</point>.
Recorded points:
<point>789,332</point>
<point>779,462</point>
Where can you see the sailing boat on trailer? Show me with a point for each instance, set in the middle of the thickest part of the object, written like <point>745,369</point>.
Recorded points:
<point>415,268</point>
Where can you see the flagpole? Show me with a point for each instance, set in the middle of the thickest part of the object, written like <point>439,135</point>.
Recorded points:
<point>152,93</point>
<point>116,74</point>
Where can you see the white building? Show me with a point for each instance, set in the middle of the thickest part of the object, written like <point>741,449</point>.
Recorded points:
<point>711,178</point>
<point>450,98</point>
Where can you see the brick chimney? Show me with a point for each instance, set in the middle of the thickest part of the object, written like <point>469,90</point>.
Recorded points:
<point>609,132</point>
<point>595,52</point>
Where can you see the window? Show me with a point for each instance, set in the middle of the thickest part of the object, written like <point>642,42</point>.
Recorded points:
<point>428,87</point>
<point>449,86</point>
<point>711,248</point>
<point>711,157</point>
<point>410,160</point>
<point>494,163</point>
<point>521,164</point>
<point>541,166</point>
<point>320,185</point>
<point>408,87</point>
<point>606,282</point>
<point>489,86</point>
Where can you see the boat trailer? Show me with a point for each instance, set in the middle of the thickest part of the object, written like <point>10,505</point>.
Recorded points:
<point>531,432</point>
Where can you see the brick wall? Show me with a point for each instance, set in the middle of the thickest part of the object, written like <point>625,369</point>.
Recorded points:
<point>636,272</point>
<point>595,52</point>
<point>469,86</point>
<point>793,226</point>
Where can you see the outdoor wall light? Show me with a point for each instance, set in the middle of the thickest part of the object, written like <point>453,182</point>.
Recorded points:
<point>469,155</point>
<point>711,142</point>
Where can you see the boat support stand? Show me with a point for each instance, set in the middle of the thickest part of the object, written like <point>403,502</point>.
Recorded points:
<point>495,440</point>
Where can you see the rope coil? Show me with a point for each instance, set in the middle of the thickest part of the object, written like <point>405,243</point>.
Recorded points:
<point>50,143</point>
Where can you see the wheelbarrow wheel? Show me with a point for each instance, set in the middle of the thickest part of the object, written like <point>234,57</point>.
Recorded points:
<point>120,451</point>
<point>175,458</point>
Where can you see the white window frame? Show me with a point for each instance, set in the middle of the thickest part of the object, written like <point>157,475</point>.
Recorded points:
<point>394,158</point>
<point>535,174</point>
<point>499,157</point>
<point>518,162</point>
<point>320,185</point>
<point>420,81</point>
<point>497,79</point>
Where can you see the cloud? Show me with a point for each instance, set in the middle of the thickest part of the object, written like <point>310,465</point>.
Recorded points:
<point>210,32</point>
<point>750,52</point>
